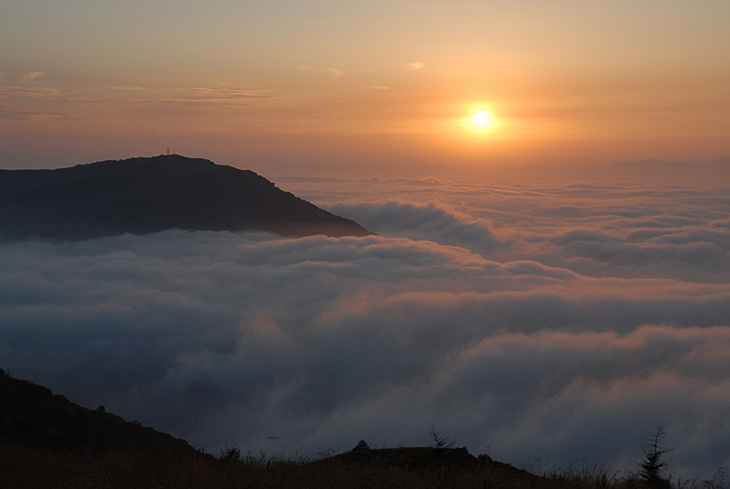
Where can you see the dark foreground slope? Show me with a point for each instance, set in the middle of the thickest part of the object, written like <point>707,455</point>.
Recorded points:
<point>147,195</point>
<point>32,416</point>
<point>48,442</point>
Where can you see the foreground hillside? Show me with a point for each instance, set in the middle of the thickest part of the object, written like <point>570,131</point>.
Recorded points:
<point>32,416</point>
<point>147,195</point>
<point>46,441</point>
<point>22,467</point>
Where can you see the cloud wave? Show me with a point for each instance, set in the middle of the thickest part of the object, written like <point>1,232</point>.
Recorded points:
<point>568,320</point>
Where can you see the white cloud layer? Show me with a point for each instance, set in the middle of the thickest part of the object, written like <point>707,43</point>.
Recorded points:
<point>570,320</point>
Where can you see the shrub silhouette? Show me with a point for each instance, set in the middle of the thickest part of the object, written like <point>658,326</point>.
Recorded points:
<point>230,453</point>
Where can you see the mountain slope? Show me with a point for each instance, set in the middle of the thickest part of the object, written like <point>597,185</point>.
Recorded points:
<point>147,195</point>
<point>47,441</point>
<point>32,416</point>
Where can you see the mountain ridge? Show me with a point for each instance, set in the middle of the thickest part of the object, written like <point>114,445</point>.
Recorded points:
<point>150,194</point>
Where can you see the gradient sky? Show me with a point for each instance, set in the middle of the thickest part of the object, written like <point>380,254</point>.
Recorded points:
<point>568,318</point>
<point>327,86</point>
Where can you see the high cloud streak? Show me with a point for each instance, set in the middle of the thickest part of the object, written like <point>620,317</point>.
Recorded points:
<point>566,320</point>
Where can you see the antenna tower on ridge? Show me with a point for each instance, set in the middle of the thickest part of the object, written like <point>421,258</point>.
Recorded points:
<point>168,151</point>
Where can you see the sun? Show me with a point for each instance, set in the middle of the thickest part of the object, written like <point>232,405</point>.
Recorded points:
<point>480,121</point>
<point>481,118</point>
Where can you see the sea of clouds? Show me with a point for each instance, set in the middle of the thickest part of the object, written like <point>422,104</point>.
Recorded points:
<point>557,324</point>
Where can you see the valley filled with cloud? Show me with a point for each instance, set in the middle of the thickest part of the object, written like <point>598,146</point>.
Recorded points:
<point>536,322</point>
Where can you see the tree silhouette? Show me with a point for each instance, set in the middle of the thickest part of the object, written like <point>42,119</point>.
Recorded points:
<point>438,440</point>
<point>652,466</point>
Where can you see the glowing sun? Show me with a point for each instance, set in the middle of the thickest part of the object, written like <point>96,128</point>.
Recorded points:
<point>480,121</point>
<point>481,118</point>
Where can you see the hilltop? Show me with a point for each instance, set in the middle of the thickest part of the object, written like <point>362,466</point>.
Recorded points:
<point>147,195</point>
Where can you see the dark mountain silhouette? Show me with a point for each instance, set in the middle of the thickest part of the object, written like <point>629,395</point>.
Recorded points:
<point>147,195</point>
<point>32,416</point>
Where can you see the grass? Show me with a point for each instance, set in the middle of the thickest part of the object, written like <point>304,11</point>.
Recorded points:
<point>25,467</point>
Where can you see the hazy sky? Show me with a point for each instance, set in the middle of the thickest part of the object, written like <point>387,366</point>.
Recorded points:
<point>571,319</point>
<point>329,86</point>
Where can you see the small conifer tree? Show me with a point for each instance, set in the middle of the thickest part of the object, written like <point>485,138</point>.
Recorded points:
<point>439,441</point>
<point>652,466</point>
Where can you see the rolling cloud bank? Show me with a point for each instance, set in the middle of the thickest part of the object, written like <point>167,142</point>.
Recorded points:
<point>556,322</point>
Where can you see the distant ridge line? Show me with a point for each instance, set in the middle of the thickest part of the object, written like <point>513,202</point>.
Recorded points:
<point>144,195</point>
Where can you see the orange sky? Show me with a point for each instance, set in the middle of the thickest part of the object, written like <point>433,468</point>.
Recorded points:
<point>330,88</point>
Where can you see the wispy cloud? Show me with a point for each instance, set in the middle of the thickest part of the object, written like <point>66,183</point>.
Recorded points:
<point>415,66</point>
<point>22,102</point>
<point>35,92</point>
<point>334,71</point>
<point>128,88</point>
<point>32,75</point>
<point>229,92</point>
<point>217,95</point>
<point>29,113</point>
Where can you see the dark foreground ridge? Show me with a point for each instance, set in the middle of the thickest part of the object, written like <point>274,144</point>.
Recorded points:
<point>147,195</point>
<point>32,416</point>
<point>46,441</point>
